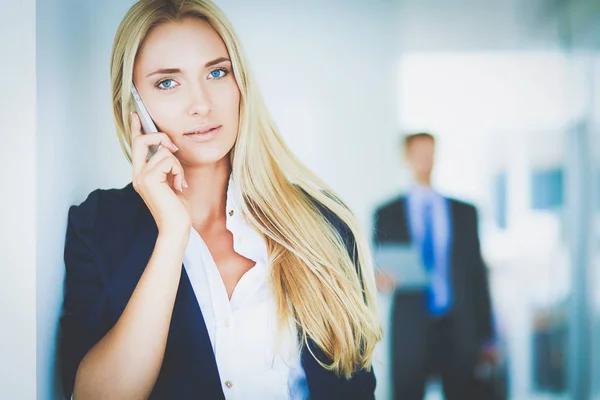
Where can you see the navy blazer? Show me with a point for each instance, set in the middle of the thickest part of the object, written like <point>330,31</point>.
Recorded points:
<point>110,238</point>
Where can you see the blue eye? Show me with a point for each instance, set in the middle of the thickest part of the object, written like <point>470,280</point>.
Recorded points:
<point>218,73</point>
<point>166,84</point>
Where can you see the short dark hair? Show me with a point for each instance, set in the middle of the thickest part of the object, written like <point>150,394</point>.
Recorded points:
<point>409,138</point>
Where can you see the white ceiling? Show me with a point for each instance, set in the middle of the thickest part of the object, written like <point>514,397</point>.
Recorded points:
<point>488,25</point>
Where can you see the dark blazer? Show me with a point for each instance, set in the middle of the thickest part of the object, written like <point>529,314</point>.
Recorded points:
<point>110,238</point>
<point>471,307</point>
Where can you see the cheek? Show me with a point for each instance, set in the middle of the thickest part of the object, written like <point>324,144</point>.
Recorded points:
<point>228,101</point>
<point>166,115</point>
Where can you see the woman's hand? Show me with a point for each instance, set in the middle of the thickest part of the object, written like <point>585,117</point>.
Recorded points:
<point>159,180</point>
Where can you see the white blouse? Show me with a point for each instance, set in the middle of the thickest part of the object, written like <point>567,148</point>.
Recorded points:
<point>255,359</point>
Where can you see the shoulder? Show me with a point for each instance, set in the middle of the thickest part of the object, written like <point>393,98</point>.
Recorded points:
<point>390,205</point>
<point>338,225</point>
<point>463,211</point>
<point>336,222</point>
<point>462,205</point>
<point>106,202</point>
<point>106,210</point>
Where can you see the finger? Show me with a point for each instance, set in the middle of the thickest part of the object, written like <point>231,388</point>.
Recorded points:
<point>136,131</point>
<point>177,183</point>
<point>136,125</point>
<point>177,178</point>
<point>180,182</point>
<point>141,167</point>
<point>145,175</point>
<point>158,139</point>
<point>170,165</point>
<point>162,154</point>
<point>140,148</point>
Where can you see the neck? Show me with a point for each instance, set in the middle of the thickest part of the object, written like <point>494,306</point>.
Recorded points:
<point>207,191</point>
<point>423,180</point>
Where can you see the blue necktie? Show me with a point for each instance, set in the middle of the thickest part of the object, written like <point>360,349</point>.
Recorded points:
<point>438,290</point>
<point>427,247</point>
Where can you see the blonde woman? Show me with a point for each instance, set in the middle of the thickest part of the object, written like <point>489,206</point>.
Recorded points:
<point>226,270</point>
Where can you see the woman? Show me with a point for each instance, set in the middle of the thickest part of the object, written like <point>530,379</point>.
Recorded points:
<point>226,269</point>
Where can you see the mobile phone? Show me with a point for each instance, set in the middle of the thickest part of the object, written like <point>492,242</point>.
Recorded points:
<point>148,125</point>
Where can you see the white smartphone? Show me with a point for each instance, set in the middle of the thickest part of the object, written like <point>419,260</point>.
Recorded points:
<point>148,125</point>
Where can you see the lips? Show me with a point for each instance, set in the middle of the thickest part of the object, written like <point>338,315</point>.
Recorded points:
<point>203,134</point>
<point>200,130</point>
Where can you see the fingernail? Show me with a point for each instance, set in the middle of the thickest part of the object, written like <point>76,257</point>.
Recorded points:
<point>185,185</point>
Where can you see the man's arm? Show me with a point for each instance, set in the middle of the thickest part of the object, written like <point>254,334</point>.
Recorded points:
<point>482,288</point>
<point>385,282</point>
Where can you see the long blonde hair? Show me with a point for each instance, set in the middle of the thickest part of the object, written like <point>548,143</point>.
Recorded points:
<point>328,291</point>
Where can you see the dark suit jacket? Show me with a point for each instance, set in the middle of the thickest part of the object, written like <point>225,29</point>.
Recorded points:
<point>471,307</point>
<point>110,238</point>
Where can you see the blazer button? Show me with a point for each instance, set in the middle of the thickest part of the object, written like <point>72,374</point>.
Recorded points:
<point>231,213</point>
<point>228,384</point>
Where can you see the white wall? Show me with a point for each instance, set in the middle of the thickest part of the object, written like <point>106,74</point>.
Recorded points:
<point>77,149</point>
<point>483,25</point>
<point>57,175</point>
<point>17,202</point>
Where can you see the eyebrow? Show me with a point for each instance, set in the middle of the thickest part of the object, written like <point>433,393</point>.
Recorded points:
<point>170,71</point>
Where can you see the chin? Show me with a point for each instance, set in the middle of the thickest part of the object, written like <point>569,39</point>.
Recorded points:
<point>206,157</point>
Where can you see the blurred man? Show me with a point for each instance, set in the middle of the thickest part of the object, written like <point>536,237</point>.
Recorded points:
<point>445,328</point>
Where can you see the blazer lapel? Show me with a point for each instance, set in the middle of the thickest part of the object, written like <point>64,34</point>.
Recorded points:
<point>189,363</point>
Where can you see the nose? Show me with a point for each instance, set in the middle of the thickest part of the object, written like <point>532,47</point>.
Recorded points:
<point>200,103</point>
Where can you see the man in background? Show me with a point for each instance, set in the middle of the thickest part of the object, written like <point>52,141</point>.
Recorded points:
<point>445,327</point>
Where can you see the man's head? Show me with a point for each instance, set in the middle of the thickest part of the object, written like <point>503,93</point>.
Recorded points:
<point>419,151</point>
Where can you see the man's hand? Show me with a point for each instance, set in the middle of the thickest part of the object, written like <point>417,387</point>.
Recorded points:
<point>489,353</point>
<point>489,357</point>
<point>385,282</point>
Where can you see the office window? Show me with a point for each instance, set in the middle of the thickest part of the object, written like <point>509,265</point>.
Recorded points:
<point>547,189</point>
<point>500,207</point>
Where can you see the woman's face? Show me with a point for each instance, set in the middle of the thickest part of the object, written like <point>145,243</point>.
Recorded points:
<point>183,74</point>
